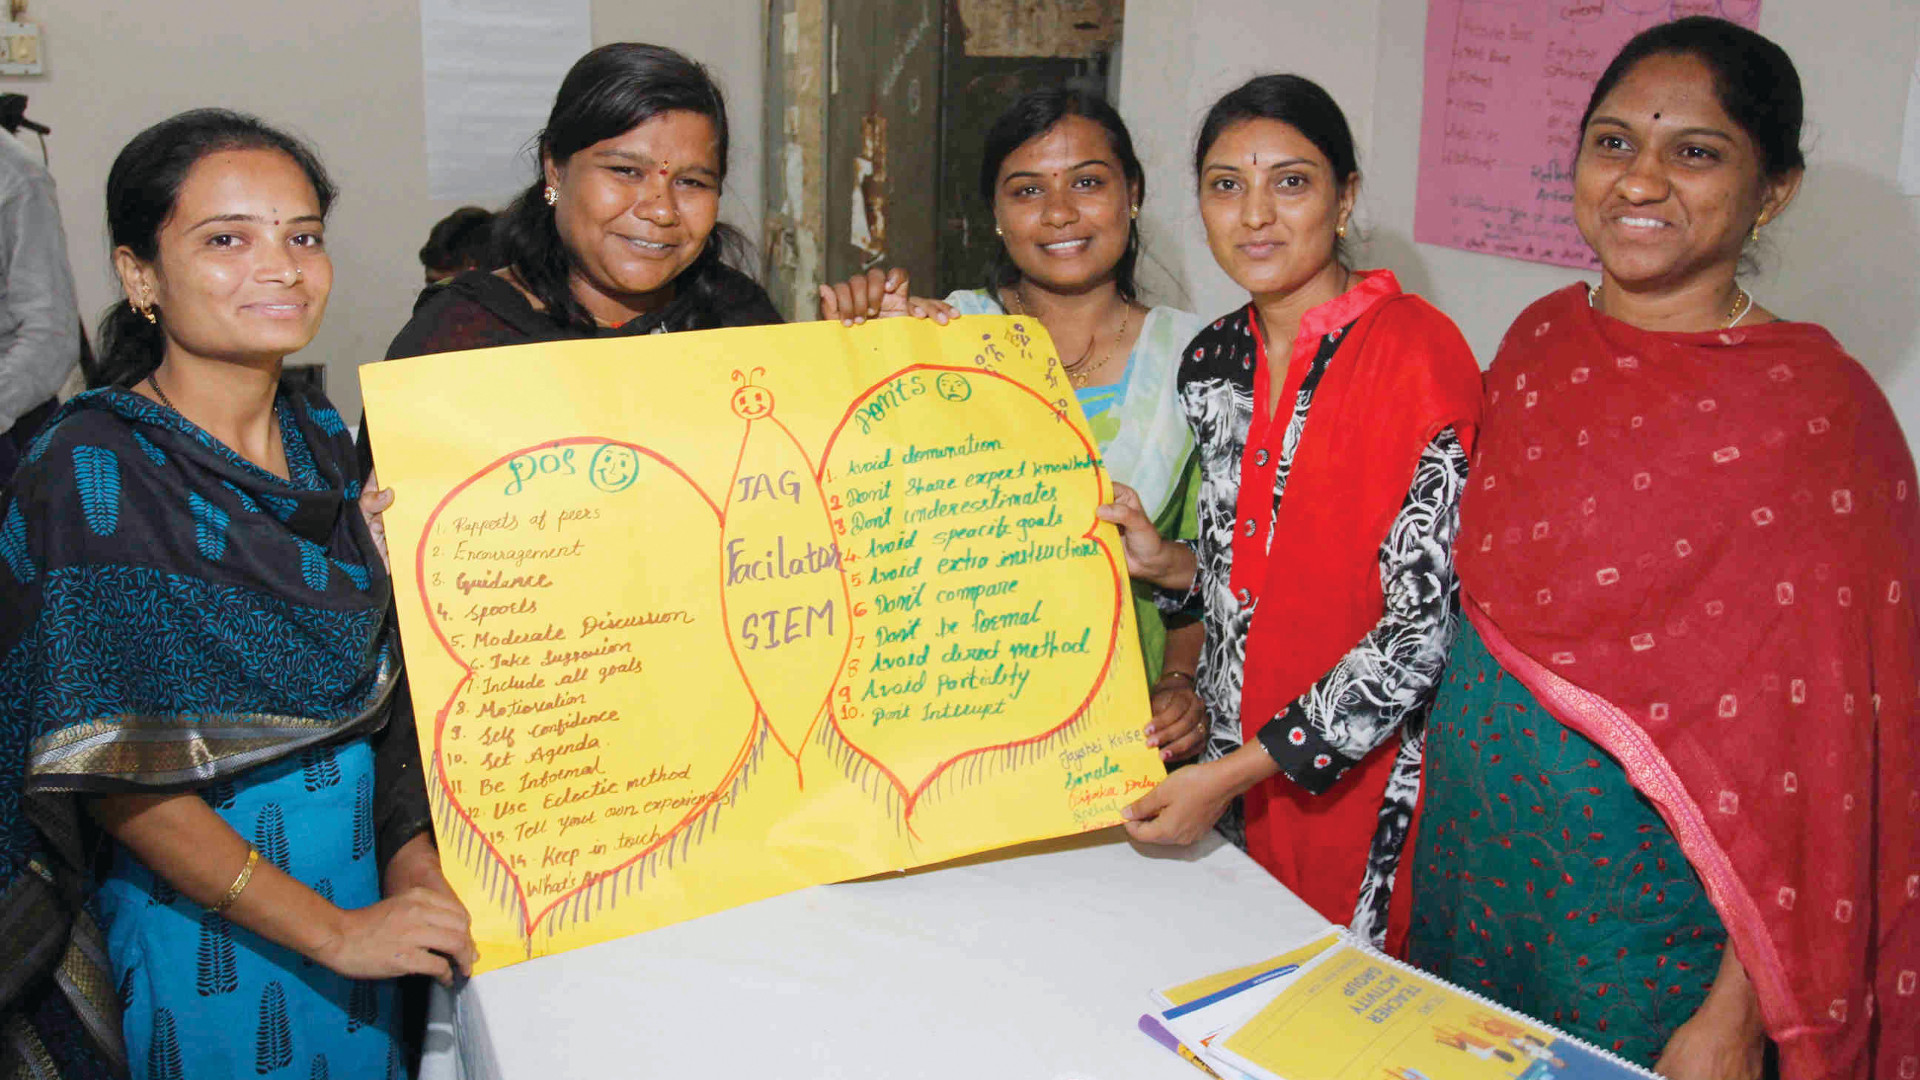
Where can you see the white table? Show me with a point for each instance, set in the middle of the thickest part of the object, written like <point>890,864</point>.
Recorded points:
<point>1031,962</point>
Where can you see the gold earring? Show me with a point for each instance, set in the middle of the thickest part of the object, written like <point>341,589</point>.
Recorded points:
<point>1341,231</point>
<point>997,232</point>
<point>145,307</point>
<point>1136,211</point>
<point>1754,236</point>
<point>552,196</point>
<point>146,310</point>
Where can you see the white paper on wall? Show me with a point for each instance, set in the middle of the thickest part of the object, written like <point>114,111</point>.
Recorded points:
<point>1910,145</point>
<point>491,69</point>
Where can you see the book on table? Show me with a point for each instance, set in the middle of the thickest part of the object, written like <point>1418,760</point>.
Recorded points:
<point>1334,1009</point>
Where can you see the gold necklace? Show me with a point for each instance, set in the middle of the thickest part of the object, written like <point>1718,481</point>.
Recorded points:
<point>1742,303</point>
<point>1741,306</point>
<point>1080,372</point>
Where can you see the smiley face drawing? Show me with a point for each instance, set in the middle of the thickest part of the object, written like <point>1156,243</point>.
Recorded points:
<point>751,402</point>
<point>614,467</point>
<point>953,386</point>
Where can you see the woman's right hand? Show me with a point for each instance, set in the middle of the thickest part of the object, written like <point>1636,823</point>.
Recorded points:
<point>1181,808</point>
<point>1149,556</point>
<point>374,501</point>
<point>418,932</point>
<point>1179,726</point>
<point>879,294</point>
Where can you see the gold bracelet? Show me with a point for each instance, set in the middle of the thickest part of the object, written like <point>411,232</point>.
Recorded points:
<point>1187,675</point>
<point>239,883</point>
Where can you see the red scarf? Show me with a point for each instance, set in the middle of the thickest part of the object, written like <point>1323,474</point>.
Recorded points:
<point>1402,374</point>
<point>1699,550</point>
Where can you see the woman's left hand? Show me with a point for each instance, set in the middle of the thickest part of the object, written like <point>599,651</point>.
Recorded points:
<point>374,501</point>
<point>1726,1039</point>
<point>1705,1049</point>
<point>1150,556</point>
<point>1179,725</point>
<point>879,294</point>
<point>417,866</point>
<point>1184,806</point>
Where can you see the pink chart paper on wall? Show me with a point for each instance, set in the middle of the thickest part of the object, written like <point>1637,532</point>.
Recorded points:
<point>1506,82</point>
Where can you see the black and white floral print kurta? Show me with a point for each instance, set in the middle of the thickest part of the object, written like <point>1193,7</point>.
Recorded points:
<point>1380,690</point>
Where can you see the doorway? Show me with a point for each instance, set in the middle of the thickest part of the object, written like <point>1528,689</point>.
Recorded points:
<point>877,114</point>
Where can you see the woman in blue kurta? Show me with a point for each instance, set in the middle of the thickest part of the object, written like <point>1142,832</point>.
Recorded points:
<point>195,651</point>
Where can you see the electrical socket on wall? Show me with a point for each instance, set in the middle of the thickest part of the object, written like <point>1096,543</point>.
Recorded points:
<point>21,53</point>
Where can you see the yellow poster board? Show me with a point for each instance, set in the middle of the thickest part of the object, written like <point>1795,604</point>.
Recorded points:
<point>693,620</point>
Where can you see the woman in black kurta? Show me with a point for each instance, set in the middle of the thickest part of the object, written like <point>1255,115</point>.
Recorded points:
<point>619,235</point>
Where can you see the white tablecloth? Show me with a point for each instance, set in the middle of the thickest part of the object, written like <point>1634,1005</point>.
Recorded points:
<point>1032,962</point>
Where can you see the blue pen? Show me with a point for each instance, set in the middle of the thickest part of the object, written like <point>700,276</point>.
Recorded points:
<point>1221,995</point>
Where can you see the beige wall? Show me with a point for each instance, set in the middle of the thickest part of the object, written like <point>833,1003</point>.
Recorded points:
<point>345,75</point>
<point>1847,255</point>
<point>1177,58</point>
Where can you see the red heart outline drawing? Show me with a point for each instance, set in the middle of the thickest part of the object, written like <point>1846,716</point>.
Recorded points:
<point>499,868</point>
<point>911,795</point>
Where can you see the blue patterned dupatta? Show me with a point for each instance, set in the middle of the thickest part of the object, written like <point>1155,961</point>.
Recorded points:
<point>174,616</point>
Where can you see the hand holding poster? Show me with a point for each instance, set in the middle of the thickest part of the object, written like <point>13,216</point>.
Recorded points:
<point>699,619</point>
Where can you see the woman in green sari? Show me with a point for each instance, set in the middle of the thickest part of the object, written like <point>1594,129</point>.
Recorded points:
<point>1065,186</point>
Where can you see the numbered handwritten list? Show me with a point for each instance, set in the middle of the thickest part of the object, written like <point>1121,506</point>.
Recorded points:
<point>1506,84</point>
<point>695,620</point>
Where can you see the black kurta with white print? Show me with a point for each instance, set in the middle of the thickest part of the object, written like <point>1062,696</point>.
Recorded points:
<point>1381,688</point>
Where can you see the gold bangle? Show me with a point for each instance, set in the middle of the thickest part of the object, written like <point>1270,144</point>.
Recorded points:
<point>1187,675</point>
<point>239,883</point>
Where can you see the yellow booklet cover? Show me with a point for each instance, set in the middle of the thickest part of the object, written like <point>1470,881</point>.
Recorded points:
<point>1355,1014</point>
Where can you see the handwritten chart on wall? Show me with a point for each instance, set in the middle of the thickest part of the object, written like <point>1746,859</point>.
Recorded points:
<point>693,620</point>
<point>1506,83</point>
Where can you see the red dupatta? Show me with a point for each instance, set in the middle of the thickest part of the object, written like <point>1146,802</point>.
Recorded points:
<point>1401,374</point>
<point>1699,551</point>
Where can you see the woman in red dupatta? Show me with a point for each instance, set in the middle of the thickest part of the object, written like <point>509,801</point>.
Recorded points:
<point>1671,776</point>
<point>1333,416</point>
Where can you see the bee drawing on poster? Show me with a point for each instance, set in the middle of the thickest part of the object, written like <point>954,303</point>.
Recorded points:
<point>888,606</point>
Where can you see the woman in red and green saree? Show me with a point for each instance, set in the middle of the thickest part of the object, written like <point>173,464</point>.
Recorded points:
<point>1670,774</point>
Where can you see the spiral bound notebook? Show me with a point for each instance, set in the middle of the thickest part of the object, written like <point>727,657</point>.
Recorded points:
<point>1352,1013</point>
